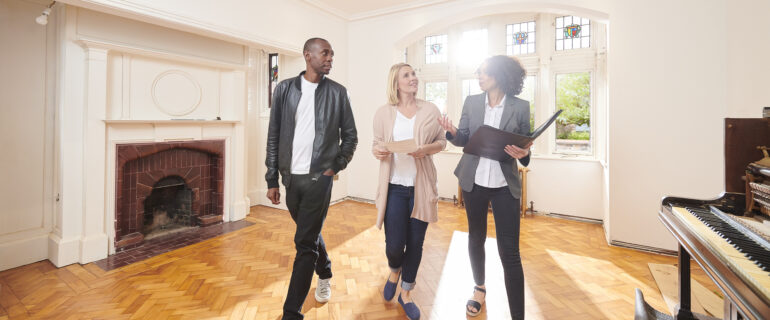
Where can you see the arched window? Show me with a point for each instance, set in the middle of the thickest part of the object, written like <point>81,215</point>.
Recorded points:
<point>564,56</point>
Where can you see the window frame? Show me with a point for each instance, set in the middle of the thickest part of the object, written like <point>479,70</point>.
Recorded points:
<point>422,89</point>
<point>592,108</point>
<point>544,64</point>
<point>270,82</point>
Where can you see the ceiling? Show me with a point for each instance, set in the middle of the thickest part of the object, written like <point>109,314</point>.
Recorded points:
<point>361,9</point>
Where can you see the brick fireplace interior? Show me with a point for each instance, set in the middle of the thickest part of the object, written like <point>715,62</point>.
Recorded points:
<point>167,185</point>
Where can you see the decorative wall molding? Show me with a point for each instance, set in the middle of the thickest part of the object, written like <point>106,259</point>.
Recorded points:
<point>178,22</point>
<point>372,13</point>
<point>87,42</point>
<point>176,80</point>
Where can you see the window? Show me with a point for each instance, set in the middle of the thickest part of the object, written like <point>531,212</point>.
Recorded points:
<point>573,127</point>
<point>470,87</point>
<point>473,47</point>
<point>565,72</point>
<point>435,49</point>
<point>436,92</point>
<point>272,76</point>
<point>528,93</point>
<point>572,32</point>
<point>521,38</point>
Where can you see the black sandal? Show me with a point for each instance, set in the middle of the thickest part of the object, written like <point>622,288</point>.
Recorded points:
<point>474,303</point>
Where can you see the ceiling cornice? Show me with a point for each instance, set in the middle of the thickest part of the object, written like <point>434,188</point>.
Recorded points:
<point>373,13</point>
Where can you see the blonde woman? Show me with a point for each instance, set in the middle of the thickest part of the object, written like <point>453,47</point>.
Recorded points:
<point>406,194</point>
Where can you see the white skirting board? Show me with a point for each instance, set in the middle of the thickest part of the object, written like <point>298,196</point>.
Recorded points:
<point>21,252</point>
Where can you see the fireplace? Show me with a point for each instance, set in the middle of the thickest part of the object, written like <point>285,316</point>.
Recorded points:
<point>167,208</point>
<point>167,186</point>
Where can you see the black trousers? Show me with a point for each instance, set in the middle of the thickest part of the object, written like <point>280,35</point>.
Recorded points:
<point>308,201</point>
<point>505,209</point>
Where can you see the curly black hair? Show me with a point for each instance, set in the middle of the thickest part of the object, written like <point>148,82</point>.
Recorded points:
<point>507,72</point>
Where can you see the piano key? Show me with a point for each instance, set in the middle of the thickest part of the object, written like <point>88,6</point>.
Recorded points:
<point>746,257</point>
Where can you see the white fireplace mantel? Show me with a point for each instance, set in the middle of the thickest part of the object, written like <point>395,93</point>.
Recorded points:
<point>120,91</point>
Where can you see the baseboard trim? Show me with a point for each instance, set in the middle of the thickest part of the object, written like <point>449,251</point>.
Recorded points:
<point>356,199</point>
<point>570,217</point>
<point>63,252</point>
<point>93,247</point>
<point>24,251</point>
<point>644,248</point>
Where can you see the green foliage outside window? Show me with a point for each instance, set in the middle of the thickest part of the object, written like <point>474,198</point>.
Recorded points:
<point>573,95</point>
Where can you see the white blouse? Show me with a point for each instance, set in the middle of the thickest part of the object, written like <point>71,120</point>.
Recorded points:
<point>404,168</point>
<point>489,173</point>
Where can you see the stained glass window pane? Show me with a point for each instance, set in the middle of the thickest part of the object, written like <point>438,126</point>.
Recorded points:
<point>572,32</point>
<point>474,47</point>
<point>274,68</point>
<point>272,77</point>
<point>436,92</point>
<point>573,127</point>
<point>521,38</point>
<point>435,49</point>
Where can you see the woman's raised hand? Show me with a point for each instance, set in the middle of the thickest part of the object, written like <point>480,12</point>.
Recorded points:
<point>445,123</point>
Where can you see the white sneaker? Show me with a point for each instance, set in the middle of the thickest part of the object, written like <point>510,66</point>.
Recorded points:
<point>323,292</point>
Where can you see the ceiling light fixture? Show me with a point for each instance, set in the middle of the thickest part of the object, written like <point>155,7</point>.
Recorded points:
<point>43,18</point>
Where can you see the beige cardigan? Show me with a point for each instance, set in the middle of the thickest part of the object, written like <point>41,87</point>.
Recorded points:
<point>430,137</point>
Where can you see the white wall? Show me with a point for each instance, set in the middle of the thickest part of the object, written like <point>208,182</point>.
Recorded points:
<point>26,133</point>
<point>667,102</point>
<point>748,66</point>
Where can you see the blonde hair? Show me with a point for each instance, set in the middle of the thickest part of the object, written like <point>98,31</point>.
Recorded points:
<point>392,91</point>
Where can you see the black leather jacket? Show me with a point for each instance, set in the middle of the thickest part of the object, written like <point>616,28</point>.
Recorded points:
<point>333,122</point>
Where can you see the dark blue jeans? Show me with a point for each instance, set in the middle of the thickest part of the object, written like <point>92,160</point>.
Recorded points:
<point>403,235</point>
<point>505,209</point>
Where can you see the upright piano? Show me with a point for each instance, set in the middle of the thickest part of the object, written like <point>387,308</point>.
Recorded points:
<point>733,254</point>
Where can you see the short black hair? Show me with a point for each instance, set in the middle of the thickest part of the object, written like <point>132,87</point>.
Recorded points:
<point>310,42</point>
<point>507,72</point>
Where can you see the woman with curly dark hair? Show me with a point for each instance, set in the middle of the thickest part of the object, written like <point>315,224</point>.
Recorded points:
<point>485,180</point>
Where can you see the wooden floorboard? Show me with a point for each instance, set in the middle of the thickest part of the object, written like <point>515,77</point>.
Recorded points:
<point>570,272</point>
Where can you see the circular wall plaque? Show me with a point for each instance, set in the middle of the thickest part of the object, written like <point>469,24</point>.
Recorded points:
<point>176,92</point>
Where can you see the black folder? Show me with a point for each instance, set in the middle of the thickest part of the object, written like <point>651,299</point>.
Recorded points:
<point>489,142</point>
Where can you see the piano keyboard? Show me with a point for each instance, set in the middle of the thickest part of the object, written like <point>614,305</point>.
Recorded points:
<point>742,254</point>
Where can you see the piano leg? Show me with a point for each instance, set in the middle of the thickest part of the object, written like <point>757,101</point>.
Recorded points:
<point>682,310</point>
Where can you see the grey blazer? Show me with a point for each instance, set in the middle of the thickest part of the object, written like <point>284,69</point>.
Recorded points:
<point>515,119</point>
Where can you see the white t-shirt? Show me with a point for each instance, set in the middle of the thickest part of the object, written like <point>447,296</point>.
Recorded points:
<point>488,173</point>
<point>304,129</point>
<point>404,169</point>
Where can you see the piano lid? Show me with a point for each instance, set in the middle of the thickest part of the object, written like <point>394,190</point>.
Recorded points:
<point>742,136</point>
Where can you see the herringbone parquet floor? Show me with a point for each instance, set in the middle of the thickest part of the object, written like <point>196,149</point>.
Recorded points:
<point>570,273</point>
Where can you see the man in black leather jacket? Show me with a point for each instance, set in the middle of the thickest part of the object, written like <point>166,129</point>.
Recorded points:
<point>309,116</point>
